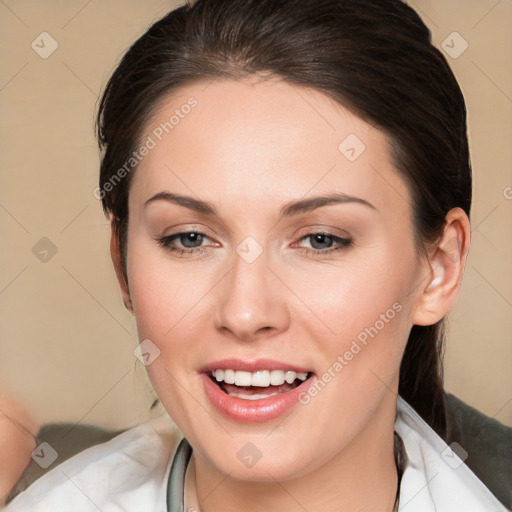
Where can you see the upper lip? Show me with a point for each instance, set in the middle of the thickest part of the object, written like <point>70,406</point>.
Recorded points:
<point>252,365</point>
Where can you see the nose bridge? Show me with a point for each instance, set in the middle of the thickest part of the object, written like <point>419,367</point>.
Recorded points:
<point>251,301</point>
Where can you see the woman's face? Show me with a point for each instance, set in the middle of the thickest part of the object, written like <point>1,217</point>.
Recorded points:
<point>270,272</point>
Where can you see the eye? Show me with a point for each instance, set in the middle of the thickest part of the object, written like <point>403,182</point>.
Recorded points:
<point>324,243</point>
<point>191,242</point>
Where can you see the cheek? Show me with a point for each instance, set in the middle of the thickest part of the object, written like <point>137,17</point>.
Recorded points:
<point>359,328</point>
<point>361,322</point>
<point>171,304</point>
<point>346,298</point>
<point>166,293</point>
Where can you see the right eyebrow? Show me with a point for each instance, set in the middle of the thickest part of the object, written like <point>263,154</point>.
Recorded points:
<point>188,202</point>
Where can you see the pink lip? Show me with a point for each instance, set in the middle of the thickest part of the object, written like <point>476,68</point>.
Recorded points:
<point>252,411</point>
<point>252,365</point>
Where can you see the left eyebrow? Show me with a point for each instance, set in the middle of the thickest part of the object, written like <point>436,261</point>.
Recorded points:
<point>312,203</point>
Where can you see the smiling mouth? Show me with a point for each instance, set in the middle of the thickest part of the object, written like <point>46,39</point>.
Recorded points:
<point>257,385</point>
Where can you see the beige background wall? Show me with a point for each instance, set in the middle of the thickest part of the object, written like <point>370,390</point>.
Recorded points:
<point>66,340</point>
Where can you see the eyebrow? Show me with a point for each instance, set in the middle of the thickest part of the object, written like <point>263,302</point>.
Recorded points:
<point>287,210</point>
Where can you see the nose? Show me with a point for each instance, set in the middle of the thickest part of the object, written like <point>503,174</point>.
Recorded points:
<point>251,301</point>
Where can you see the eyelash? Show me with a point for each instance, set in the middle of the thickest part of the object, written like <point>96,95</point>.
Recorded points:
<point>343,243</point>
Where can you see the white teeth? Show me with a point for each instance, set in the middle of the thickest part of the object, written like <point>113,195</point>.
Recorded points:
<point>276,377</point>
<point>229,377</point>
<point>243,378</point>
<point>261,378</point>
<point>290,377</point>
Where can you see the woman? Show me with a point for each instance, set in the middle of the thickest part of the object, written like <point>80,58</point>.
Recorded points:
<point>289,187</point>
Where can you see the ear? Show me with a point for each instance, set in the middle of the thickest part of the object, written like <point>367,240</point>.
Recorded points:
<point>115,253</point>
<point>446,262</point>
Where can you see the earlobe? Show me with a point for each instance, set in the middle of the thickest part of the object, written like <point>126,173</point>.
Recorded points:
<point>445,270</point>
<point>115,254</point>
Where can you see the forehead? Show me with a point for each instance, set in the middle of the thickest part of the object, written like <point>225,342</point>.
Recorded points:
<point>252,140</point>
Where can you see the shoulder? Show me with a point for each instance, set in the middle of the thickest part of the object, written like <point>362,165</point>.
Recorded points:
<point>129,472</point>
<point>435,477</point>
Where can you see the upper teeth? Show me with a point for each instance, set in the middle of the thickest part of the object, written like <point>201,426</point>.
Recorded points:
<point>262,378</point>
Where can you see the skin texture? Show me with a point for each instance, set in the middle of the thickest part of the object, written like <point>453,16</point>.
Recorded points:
<point>249,147</point>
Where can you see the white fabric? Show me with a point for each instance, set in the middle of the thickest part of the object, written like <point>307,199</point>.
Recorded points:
<point>431,481</point>
<point>129,473</point>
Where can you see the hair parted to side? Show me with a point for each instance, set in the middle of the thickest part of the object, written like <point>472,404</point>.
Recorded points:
<point>374,57</point>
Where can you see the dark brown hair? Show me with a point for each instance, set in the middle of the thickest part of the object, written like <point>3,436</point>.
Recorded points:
<point>375,57</point>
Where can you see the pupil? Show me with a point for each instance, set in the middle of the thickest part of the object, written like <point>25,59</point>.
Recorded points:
<point>191,237</point>
<point>320,239</point>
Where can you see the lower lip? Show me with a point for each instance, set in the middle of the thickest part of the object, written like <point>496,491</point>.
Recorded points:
<point>252,411</point>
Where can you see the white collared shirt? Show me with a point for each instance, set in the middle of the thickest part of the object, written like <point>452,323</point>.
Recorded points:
<point>130,472</point>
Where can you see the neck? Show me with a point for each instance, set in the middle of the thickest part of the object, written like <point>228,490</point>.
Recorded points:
<point>363,476</point>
